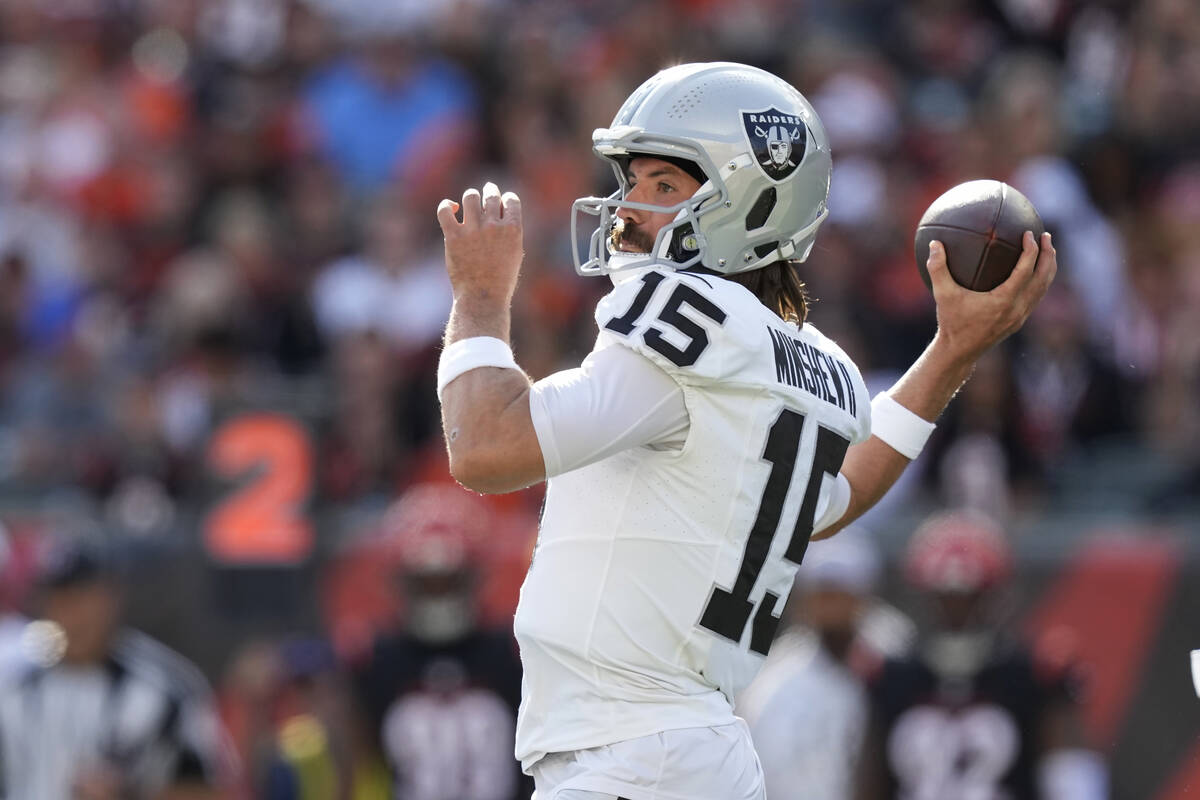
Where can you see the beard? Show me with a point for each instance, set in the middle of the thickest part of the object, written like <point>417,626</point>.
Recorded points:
<point>629,237</point>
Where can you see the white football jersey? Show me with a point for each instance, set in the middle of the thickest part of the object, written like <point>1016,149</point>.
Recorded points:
<point>659,575</point>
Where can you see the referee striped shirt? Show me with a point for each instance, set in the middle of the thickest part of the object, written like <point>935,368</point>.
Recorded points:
<point>145,711</point>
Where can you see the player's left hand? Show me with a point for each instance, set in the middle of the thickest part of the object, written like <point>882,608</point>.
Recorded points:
<point>484,250</point>
<point>969,323</point>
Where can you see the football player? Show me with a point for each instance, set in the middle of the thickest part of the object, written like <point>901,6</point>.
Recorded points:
<point>700,444</point>
<point>443,691</point>
<point>973,713</point>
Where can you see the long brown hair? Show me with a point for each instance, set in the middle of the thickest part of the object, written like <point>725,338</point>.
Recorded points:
<point>779,288</point>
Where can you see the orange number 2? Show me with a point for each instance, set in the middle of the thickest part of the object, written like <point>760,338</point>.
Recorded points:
<point>262,521</point>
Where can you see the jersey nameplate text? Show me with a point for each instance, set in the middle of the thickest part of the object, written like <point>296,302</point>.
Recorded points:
<point>803,366</point>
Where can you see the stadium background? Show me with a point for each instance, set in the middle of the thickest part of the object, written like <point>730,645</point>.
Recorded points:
<point>220,293</point>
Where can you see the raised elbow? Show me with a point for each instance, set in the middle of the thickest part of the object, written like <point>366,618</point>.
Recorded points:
<point>493,469</point>
<point>494,454</point>
<point>479,471</point>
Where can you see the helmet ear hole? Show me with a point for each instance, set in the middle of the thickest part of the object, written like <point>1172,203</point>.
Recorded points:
<point>764,250</point>
<point>683,244</point>
<point>762,208</point>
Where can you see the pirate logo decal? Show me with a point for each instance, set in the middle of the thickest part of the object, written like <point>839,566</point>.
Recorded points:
<point>777,139</point>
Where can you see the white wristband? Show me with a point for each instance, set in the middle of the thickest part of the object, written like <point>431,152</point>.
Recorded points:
<point>468,354</point>
<point>899,428</point>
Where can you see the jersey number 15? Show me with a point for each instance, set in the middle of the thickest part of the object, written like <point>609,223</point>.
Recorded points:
<point>729,610</point>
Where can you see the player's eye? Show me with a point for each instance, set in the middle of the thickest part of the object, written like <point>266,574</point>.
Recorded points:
<point>665,188</point>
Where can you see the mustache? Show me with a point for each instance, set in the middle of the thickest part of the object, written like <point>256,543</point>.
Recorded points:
<point>631,234</point>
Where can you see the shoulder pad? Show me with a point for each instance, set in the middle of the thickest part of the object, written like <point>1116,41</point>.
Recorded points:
<point>687,324</point>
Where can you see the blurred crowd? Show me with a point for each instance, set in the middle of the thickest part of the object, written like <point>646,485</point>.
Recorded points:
<point>208,207</point>
<point>219,260</point>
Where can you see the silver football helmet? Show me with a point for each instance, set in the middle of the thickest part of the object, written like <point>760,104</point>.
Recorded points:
<point>761,147</point>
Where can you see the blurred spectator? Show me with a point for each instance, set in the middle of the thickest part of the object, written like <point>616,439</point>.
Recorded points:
<point>393,111</point>
<point>323,749</point>
<point>210,206</point>
<point>973,713</point>
<point>397,287</point>
<point>12,623</point>
<point>293,719</point>
<point>1067,394</point>
<point>365,455</point>
<point>982,463</point>
<point>442,692</point>
<point>807,708</point>
<point>101,712</point>
<point>1093,252</point>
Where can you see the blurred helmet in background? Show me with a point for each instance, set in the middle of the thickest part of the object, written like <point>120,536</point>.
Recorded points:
<point>435,531</point>
<point>957,553</point>
<point>764,159</point>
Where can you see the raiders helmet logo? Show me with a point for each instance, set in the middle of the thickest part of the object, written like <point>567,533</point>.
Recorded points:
<point>778,141</point>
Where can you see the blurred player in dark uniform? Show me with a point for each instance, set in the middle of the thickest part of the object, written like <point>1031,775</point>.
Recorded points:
<point>973,714</point>
<point>443,693</point>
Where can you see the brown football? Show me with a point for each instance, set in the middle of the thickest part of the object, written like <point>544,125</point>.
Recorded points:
<point>980,223</point>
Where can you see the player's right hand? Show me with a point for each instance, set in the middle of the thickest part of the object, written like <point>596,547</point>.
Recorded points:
<point>969,323</point>
<point>484,249</point>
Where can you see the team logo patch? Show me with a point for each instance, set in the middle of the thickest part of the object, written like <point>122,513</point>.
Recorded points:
<point>778,140</point>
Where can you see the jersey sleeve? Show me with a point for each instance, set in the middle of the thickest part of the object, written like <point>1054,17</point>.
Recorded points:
<point>615,400</point>
<point>676,320</point>
<point>833,501</point>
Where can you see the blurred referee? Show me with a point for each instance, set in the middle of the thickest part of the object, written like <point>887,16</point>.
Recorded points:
<point>101,712</point>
